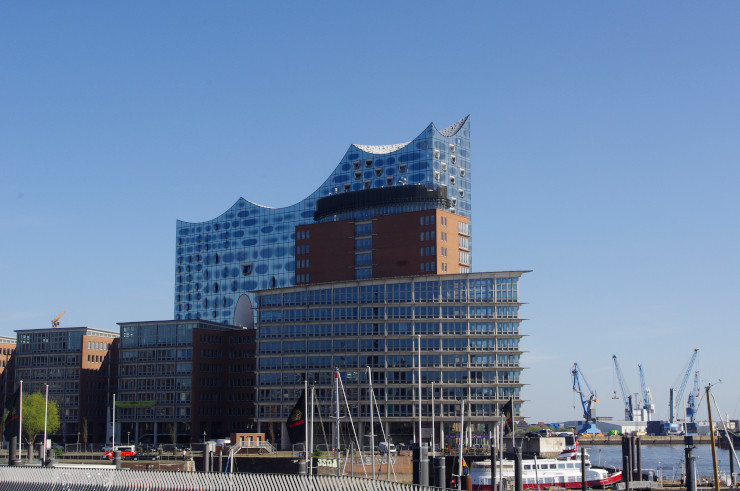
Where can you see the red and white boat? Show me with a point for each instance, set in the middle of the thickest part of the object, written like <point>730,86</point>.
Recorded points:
<point>544,473</point>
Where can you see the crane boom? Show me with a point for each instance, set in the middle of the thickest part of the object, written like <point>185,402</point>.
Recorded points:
<point>647,396</point>
<point>629,413</point>
<point>692,406</point>
<point>677,394</point>
<point>55,320</point>
<point>587,400</point>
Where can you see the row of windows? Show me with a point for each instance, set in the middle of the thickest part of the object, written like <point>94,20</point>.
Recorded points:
<point>389,312</point>
<point>456,290</point>
<point>389,411</point>
<point>395,377</point>
<point>388,344</point>
<point>426,220</point>
<point>390,329</point>
<point>385,361</point>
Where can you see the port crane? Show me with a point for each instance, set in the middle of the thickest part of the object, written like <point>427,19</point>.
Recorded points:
<point>587,400</point>
<point>55,320</point>
<point>648,406</point>
<point>629,412</point>
<point>677,394</point>
<point>692,406</point>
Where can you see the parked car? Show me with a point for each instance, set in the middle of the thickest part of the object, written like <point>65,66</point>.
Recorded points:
<point>385,447</point>
<point>127,452</point>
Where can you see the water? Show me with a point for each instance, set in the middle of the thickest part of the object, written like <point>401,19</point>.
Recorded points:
<point>665,458</point>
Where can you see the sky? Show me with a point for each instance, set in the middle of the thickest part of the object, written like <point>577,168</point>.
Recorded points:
<point>605,158</point>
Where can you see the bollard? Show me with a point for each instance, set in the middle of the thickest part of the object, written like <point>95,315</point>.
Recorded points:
<point>583,469</point>
<point>421,465</point>
<point>733,479</point>
<point>625,474</point>
<point>690,463</point>
<point>220,460</point>
<point>14,457</point>
<point>517,469</point>
<point>302,467</point>
<point>117,458</point>
<point>440,472</point>
<point>49,462</point>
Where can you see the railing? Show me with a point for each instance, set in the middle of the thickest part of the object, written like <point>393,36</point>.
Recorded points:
<point>82,479</point>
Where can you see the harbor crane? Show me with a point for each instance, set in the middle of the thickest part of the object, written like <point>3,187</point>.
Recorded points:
<point>629,412</point>
<point>677,394</point>
<point>587,401</point>
<point>692,406</point>
<point>648,406</point>
<point>55,320</point>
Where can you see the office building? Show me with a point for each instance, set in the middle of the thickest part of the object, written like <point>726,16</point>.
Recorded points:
<point>464,329</point>
<point>7,367</point>
<point>182,381</point>
<point>79,364</point>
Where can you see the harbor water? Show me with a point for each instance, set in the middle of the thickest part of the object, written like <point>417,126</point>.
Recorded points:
<point>667,460</point>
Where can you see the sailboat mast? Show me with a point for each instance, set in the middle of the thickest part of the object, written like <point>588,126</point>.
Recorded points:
<point>336,392</point>
<point>372,429</point>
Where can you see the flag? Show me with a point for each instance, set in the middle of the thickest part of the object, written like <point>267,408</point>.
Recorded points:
<point>508,412</point>
<point>12,419</point>
<point>297,421</point>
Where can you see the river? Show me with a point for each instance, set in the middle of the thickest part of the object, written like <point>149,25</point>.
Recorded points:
<point>667,459</point>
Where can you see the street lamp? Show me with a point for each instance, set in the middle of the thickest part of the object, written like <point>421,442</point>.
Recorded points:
<point>128,441</point>
<point>204,436</point>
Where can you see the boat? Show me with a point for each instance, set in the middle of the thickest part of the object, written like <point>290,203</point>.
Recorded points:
<point>544,473</point>
<point>724,436</point>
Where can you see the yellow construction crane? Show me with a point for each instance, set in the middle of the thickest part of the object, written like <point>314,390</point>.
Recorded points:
<point>55,321</point>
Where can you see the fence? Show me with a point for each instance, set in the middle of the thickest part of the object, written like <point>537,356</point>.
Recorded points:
<point>89,479</point>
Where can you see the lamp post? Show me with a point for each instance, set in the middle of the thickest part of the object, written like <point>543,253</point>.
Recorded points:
<point>128,438</point>
<point>204,436</point>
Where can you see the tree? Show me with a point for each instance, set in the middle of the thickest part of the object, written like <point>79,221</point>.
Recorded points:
<point>33,417</point>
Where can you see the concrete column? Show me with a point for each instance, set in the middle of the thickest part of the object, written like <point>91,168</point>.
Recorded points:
<point>361,434</point>
<point>284,438</point>
<point>156,432</point>
<point>441,443</point>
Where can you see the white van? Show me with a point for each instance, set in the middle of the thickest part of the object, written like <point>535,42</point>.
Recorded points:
<point>385,447</point>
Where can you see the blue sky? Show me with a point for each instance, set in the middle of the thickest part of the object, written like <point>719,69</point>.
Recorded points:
<point>605,158</point>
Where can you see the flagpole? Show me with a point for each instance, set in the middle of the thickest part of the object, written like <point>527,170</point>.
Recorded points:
<point>305,420</point>
<point>113,431</point>
<point>20,421</point>
<point>433,454</point>
<point>46,417</point>
<point>418,370</point>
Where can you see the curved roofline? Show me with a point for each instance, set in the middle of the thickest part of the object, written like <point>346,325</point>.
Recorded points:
<point>453,128</point>
<point>371,149</point>
<point>383,149</point>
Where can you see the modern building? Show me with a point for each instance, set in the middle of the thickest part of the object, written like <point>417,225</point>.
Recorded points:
<point>7,368</point>
<point>79,364</point>
<point>182,381</point>
<point>251,247</point>
<point>460,333</point>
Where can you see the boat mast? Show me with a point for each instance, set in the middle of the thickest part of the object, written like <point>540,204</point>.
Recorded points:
<point>711,438</point>
<point>460,458</point>
<point>336,392</point>
<point>372,429</point>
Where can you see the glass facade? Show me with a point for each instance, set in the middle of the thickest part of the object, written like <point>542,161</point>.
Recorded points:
<point>252,247</point>
<point>464,327</point>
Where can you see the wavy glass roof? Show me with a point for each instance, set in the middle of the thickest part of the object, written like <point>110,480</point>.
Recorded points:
<point>251,247</point>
